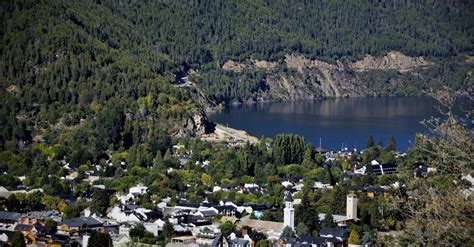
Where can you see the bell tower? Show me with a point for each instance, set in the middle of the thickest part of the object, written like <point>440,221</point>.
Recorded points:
<point>351,206</point>
<point>289,211</point>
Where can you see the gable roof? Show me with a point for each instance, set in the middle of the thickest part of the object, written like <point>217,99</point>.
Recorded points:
<point>11,216</point>
<point>23,227</point>
<point>77,222</point>
<point>208,213</point>
<point>335,232</point>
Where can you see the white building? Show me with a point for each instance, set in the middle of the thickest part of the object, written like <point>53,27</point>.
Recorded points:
<point>139,189</point>
<point>351,206</point>
<point>289,211</point>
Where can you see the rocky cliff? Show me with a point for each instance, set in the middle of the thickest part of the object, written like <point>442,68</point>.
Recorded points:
<point>297,77</point>
<point>196,125</point>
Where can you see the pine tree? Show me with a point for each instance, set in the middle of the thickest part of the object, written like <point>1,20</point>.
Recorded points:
<point>307,214</point>
<point>99,239</point>
<point>329,221</point>
<point>338,205</point>
<point>392,145</point>
<point>370,142</point>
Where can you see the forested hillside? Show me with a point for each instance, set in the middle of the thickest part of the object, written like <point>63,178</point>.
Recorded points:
<point>204,35</point>
<point>103,69</point>
<point>81,80</point>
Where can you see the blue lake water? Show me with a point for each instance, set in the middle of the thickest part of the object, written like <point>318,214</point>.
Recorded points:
<point>344,122</point>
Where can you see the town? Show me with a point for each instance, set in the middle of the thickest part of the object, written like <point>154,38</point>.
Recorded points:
<point>281,192</point>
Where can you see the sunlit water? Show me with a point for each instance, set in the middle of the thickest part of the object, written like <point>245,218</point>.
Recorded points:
<point>335,123</point>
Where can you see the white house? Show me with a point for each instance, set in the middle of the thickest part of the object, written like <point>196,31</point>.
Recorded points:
<point>120,240</point>
<point>153,228</point>
<point>121,214</point>
<point>139,189</point>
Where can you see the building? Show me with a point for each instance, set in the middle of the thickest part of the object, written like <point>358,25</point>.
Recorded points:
<point>289,211</point>
<point>7,217</point>
<point>351,206</point>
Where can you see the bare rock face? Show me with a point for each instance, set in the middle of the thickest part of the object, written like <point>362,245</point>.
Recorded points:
<point>234,66</point>
<point>195,125</point>
<point>248,64</point>
<point>297,77</point>
<point>392,61</point>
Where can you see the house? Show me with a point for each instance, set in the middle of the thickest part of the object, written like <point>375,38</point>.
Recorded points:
<point>373,191</point>
<point>139,189</point>
<point>120,240</point>
<point>338,233</point>
<point>228,211</point>
<point>34,217</point>
<point>420,171</point>
<point>320,185</point>
<point>124,228</point>
<point>129,213</point>
<point>4,237</point>
<point>184,241</point>
<point>388,168</point>
<point>153,228</point>
<point>4,193</point>
<point>24,228</point>
<point>185,218</point>
<point>207,213</point>
<point>74,225</point>
<point>340,220</point>
<point>355,188</point>
<point>229,203</point>
<point>360,169</point>
<point>7,217</point>
<point>183,204</point>
<point>240,242</point>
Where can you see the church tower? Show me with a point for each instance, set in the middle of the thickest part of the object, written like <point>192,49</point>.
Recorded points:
<point>289,211</point>
<point>351,206</point>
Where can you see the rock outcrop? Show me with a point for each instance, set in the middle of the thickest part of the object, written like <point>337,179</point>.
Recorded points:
<point>392,61</point>
<point>195,125</point>
<point>304,78</point>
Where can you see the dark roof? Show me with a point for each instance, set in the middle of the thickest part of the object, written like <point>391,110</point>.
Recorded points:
<point>375,189</point>
<point>227,186</point>
<point>259,207</point>
<point>335,232</point>
<point>8,233</point>
<point>77,222</point>
<point>288,197</point>
<point>154,214</point>
<point>311,240</point>
<point>240,242</point>
<point>10,216</point>
<point>23,227</point>
<point>188,205</point>
<point>225,208</point>
<point>41,229</point>
<point>208,213</point>
<point>388,168</point>
<point>355,187</point>
<point>217,239</point>
<point>132,206</point>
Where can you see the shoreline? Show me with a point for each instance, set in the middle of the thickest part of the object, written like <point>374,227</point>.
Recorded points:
<point>223,133</point>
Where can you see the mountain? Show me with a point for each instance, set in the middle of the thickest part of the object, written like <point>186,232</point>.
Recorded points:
<point>108,75</point>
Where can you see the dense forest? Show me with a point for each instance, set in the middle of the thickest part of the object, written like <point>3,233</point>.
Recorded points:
<point>97,75</point>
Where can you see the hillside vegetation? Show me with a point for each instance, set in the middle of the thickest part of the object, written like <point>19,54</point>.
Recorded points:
<point>97,76</point>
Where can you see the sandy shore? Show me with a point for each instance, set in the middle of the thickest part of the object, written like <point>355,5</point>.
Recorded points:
<point>223,133</point>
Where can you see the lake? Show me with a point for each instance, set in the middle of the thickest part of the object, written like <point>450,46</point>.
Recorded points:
<point>337,123</point>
